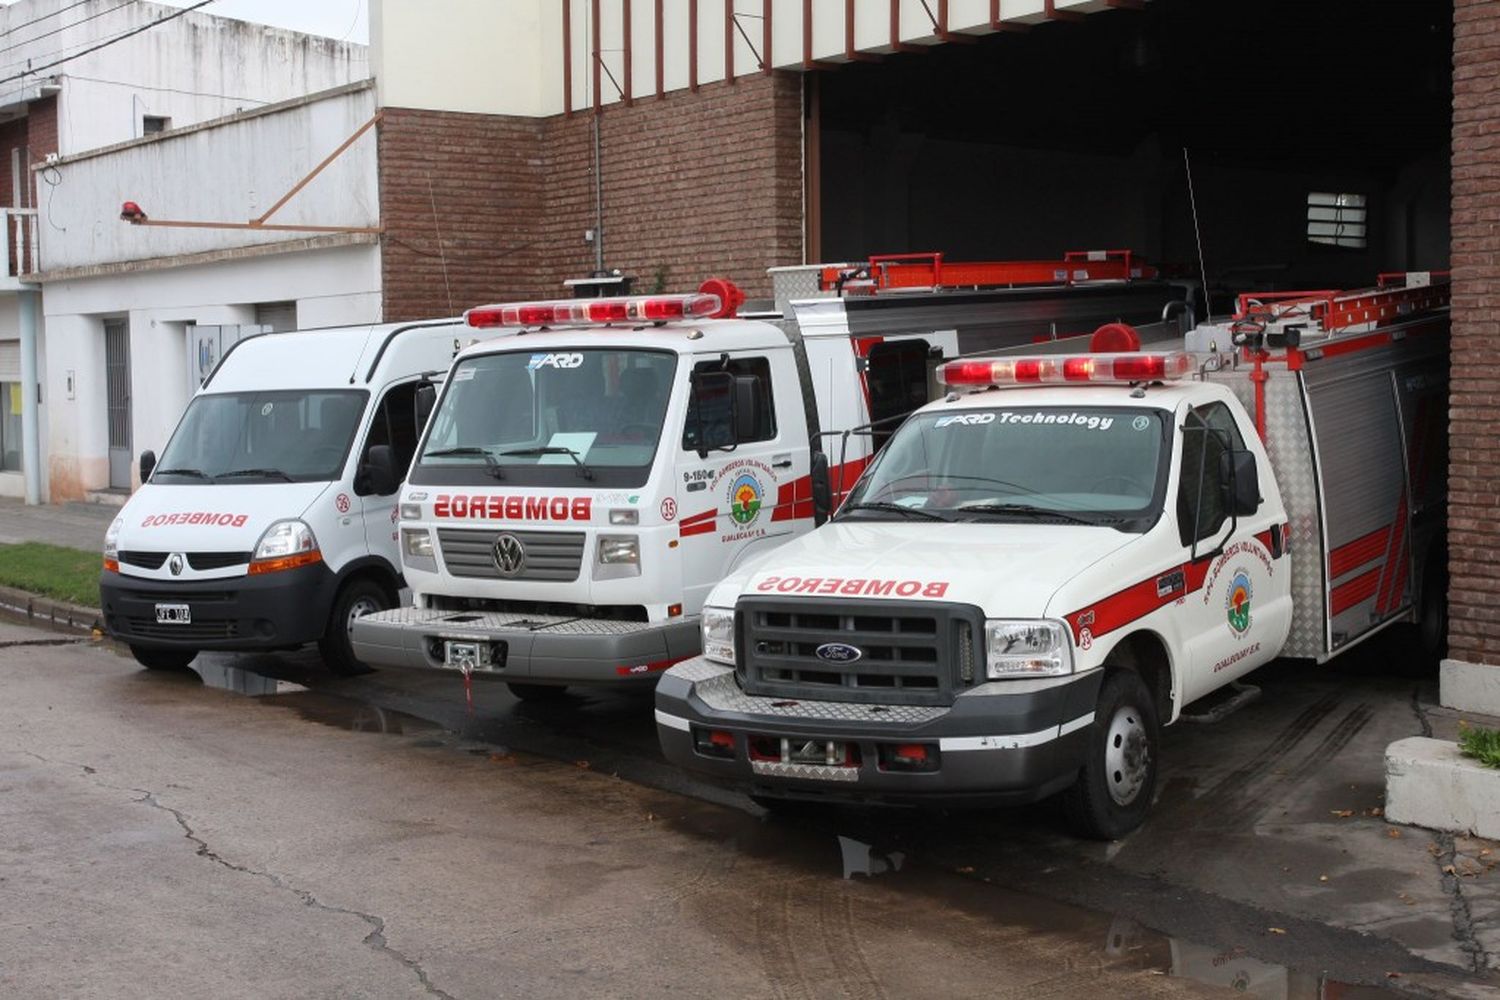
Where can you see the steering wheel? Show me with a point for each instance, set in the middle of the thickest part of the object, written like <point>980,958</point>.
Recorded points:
<point>1132,487</point>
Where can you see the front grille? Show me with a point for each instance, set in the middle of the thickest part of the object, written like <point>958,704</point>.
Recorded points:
<point>147,628</point>
<point>216,560</point>
<point>145,560</point>
<point>910,653</point>
<point>550,555</point>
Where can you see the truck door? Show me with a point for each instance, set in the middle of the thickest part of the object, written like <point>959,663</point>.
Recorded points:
<point>734,500</point>
<point>396,425</point>
<point>1239,616</point>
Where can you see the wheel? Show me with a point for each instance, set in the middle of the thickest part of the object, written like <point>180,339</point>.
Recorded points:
<point>357,598</point>
<point>1432,625</point>
<point>1118,778</point>
<point>156,658</point>
<point>538,692</point>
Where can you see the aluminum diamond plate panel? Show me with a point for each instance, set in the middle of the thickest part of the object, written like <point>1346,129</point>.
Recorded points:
<point>484,622</point>
<point>721,692</point>
<point>818,772</point>
<point>1291,456</point>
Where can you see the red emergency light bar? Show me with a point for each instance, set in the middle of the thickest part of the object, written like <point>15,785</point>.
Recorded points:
<point>1123,368</point>
<point>596,312</point>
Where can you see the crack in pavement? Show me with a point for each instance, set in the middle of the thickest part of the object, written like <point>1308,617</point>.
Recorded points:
<point>1464,931</point>
<point>376,939</point>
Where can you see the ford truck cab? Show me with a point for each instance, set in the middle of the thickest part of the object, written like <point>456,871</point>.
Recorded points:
<point>270,519</point>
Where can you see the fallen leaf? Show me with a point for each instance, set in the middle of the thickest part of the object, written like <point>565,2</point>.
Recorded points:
<point>1484,852</point>
<point>1342,813</point>
<point>1276,930</point>
<point>583,764</point>
<point>1393,975</point>
<point>1322,878</point>
<point>965,870</point>
<point>1393,833</point>
<point>1449,870</point>
<point>1377,811</point>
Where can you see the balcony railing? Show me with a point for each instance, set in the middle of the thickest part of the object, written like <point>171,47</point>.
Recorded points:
<point>21,258</point>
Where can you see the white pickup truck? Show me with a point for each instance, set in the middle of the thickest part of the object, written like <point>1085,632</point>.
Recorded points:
<point>1044,567</point>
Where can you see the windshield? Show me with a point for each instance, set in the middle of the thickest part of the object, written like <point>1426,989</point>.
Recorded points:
<point>549,419</point>
<point>297,435</point>
<point>1097,465</point>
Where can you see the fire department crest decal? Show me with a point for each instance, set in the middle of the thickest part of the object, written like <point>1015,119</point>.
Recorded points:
<point>745,494</point>
<point>1237,602</point>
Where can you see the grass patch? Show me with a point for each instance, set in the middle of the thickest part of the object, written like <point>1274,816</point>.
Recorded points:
<point>1481,744</point>
<point>54,571</point>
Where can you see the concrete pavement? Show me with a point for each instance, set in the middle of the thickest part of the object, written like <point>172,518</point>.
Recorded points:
<point>78,525</point>
<point>160,839</point>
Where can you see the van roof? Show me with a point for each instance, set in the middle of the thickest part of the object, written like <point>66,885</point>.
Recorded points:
<point>337,357</point>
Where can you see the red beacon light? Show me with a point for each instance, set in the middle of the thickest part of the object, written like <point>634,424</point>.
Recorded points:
<point>1118,368</point>
<point>596,312</point>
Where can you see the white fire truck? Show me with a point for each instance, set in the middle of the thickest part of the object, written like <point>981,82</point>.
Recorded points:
<point>1043,567</point>
<point>582,487</point>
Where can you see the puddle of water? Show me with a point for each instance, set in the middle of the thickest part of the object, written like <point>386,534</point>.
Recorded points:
<point>1120,940</point>
<point>314,706</point>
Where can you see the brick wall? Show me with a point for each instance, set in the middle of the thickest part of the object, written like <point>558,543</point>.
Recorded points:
<point>1474,466</point>
<point>693,185</point>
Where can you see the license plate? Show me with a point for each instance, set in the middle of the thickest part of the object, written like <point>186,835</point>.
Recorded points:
<point>468,656</point>
<point>174,614</point>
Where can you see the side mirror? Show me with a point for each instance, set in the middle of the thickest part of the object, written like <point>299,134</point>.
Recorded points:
<point>1240,479</point>
<point>822,490</point>
<point>748,408</point>
<point>377,473</point>
<point>426,399</point>
<point>148,463</point>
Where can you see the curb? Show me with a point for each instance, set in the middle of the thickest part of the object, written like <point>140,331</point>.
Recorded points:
<point>1429,783</point>
<point>58,614</point>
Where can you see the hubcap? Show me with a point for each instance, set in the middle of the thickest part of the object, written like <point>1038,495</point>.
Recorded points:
<point>1127,756</point>
<point>360,608</point>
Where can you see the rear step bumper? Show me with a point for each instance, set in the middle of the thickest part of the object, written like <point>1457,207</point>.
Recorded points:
<point>528,648</point>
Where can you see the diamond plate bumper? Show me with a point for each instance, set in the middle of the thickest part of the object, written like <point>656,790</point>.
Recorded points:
<point>1000,742</point>
<point>532,647</point>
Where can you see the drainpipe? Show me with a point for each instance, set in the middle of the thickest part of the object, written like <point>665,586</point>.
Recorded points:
<point>31,451</point>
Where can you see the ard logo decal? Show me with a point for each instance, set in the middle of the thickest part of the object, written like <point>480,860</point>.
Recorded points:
<point>1237,602</point>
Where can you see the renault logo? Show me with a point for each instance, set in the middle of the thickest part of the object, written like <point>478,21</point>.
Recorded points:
<point>175,564</point>
<point>509,555</point>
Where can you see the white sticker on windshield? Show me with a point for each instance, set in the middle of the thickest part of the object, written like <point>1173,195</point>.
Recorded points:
<point>1085,421</point>
<point>1141,423</point>
<point>464,375</point>
<point>579,441</point>
<point>265,411</point>
<point>554,361</point>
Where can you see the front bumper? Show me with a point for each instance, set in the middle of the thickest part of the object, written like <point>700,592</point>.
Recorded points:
<point>1003,742</point>
<point>529,647</point>
<point>273,611</point>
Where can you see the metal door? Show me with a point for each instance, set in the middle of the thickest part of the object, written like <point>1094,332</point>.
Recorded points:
<point>117,401</point>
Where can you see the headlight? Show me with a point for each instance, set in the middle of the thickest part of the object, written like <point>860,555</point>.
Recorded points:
<point>112,539</point>
<point>416,542</point>
<point>1026,649</point>
<point>285,545</point>
<point>624,516</point>
<point>614,549</point>
<point>411,512</point>
<point>718,634</point>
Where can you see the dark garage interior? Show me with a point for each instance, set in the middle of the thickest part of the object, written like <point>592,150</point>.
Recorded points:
<point>1318,137</point>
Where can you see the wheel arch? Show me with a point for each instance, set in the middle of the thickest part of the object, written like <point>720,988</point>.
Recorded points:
<point>371,568</point>
<point>1147,653</point>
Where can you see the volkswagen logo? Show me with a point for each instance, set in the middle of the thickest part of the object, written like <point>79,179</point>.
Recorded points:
<point>175,564</point>
<point>509,555</point>
<point>838,652</point>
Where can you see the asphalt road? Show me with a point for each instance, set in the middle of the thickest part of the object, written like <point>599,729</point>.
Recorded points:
<point>273,831</point>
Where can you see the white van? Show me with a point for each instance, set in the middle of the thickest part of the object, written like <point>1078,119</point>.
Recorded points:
<point>270,519</point>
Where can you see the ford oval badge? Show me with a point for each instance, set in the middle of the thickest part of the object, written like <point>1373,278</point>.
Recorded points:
<point>838,652</point>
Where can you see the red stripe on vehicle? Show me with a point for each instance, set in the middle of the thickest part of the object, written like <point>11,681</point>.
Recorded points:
<point>1353,555</point>
<point>1137,601</point>
<point>699,528</point>
<point>1356,591</point>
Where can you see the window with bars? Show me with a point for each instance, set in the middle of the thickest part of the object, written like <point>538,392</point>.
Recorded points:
<point>1337,220</point>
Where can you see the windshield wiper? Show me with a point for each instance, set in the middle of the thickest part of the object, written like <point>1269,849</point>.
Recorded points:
<point>195,473</point>
<point>493,467</point>
<point>1031,510</point>
<point>894,508</point>
<point>268,473</point>
<point>552,449</point>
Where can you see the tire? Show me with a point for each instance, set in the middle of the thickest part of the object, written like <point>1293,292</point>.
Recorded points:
<point>1118,779</point>
<point>157,658</point>
<point>1432,625</point>
<point>360,596</point>
<point>542,693</point>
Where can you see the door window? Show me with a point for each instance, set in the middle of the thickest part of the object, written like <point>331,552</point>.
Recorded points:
<point>1208,433</point>
<point>896,373</point>
<point>396,426</point>
<point>713,423</point>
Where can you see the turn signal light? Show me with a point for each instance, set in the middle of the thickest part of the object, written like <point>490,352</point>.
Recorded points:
<point>296,561</point>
